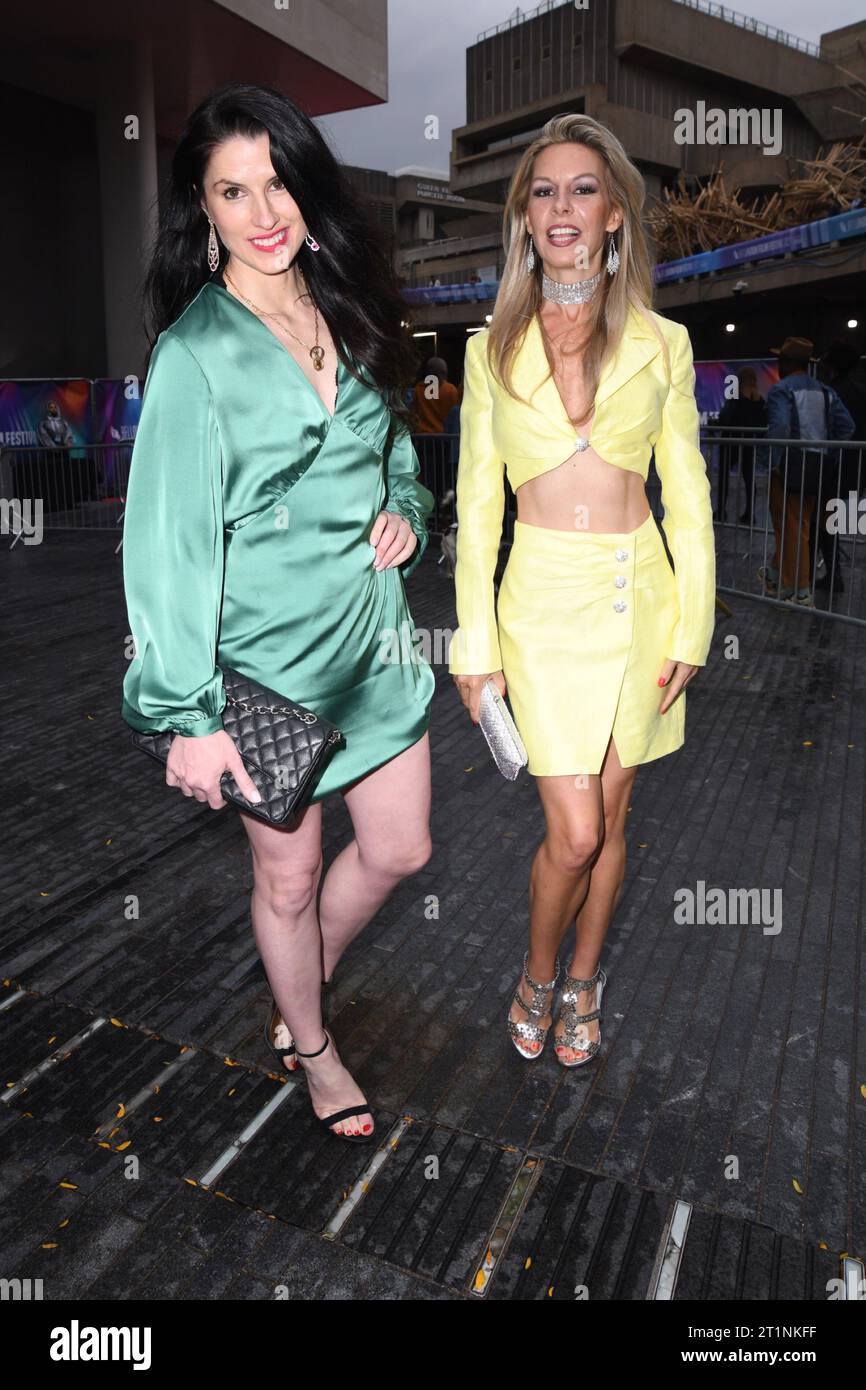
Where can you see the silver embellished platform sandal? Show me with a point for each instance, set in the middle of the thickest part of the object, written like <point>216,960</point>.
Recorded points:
<point>527,1030</point>
<point>573,1019</point>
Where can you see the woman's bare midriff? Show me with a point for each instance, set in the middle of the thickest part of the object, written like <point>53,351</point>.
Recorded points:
<point>584,493</point>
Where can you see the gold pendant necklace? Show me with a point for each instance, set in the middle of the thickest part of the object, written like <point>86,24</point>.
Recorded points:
<point>317,353</point>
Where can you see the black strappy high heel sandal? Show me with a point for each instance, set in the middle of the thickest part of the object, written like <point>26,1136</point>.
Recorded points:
<point>358,1109</point>
<point>271,1024</point>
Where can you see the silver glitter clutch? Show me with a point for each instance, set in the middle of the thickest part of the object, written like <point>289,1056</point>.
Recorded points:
<point>500,730</point>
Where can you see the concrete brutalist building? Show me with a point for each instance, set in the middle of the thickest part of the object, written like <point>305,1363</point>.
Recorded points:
<point>633,65</point>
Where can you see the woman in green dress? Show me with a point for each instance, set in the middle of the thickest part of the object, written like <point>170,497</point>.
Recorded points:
<point>272,512</point>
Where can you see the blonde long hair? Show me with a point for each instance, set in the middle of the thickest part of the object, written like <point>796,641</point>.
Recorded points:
<point>520,295</point>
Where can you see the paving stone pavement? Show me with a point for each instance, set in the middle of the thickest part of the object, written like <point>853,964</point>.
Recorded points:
<point>147,1149</point>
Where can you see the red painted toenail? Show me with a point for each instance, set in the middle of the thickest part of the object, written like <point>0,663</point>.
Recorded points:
<point>367,1128</point>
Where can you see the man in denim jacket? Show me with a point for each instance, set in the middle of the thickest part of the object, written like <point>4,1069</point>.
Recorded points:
<point>798,398</point>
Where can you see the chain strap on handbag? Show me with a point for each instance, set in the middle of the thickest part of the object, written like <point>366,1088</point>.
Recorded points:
<point>306,715</point>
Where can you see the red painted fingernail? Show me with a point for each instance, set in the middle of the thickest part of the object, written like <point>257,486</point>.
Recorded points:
<point>661,680</point>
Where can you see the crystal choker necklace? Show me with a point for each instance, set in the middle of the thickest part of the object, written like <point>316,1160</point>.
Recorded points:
<point>577,293</point>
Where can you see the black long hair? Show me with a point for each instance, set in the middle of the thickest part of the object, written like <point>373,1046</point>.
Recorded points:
<point>351,277</point>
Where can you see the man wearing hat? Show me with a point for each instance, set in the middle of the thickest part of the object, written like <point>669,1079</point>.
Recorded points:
<point>798,408</point>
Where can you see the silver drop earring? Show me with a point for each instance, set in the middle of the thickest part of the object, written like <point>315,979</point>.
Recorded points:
<point>311,242</point>
<point>213,250</point>
<point>612,257</point>
<point>530,256</point>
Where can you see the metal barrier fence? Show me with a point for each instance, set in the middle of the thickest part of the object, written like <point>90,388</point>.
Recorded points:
<point>78,489</point>
<point>796,526</point>
<point>797,530</point>
<point>809,534</point>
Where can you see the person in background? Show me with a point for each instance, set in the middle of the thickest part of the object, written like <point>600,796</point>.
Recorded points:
<point>839,361</point>
<point>53,432</point>
<point>746,411</point>
<point>798,408</point>
<point>434,397</point>
<point>452,432</point>
<point>433,401</point>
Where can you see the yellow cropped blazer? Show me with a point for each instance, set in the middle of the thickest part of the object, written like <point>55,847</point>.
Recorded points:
<point>638,411</point>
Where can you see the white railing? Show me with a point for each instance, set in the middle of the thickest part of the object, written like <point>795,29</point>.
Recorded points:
<point>755,26</point>
<point>521,16</point>
<point>736,17</point>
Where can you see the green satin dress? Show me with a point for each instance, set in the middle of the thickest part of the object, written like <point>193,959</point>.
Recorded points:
<point>246,542</point>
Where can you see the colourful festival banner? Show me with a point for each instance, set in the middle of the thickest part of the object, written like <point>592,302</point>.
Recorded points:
<point>40,414</point>
<point>712,379</point>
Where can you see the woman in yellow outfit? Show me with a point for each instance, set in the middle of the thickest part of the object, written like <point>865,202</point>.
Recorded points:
<point>569,391</point>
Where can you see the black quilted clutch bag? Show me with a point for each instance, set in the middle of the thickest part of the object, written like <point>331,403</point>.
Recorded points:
<point>283,745</point>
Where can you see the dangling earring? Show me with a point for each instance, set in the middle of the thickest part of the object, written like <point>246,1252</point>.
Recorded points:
<point>612,257</point>
<point>530,256</point>
<point>213,250</point>
<point>311,242</point>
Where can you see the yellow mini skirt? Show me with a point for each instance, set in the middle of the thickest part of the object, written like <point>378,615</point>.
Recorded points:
<point>585,620</point>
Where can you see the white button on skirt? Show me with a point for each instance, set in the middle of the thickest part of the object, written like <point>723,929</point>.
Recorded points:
<point>586,620</point>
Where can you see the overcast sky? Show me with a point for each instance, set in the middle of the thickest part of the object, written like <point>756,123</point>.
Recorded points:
<point>427,61</point>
